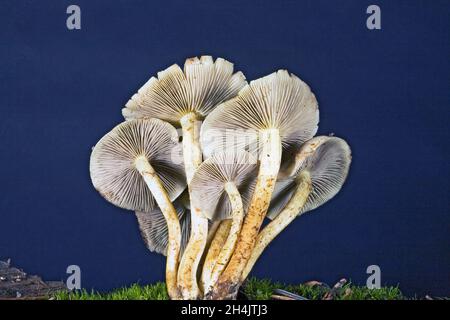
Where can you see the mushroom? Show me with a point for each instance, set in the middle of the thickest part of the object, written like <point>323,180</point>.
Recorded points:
<point>318,173</point>
<point>277,111</point>
<point>133,167</point>
<point>155,232</point>
<point>221,189</point>
<point>153,226</point>
<point>184,99</point>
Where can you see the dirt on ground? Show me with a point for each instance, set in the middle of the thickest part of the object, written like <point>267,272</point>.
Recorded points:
<point>18,285</point>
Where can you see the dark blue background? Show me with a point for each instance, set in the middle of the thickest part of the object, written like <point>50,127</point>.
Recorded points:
<point>386,92</point>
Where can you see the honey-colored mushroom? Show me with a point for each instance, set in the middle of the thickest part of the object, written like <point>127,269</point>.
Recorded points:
<point>275,112</point>
<point>133,166</point>
<point>318,173</point>
<point>221,189</point>
<point>184,98</point>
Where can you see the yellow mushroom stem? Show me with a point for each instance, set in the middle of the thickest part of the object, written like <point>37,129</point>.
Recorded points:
<point>213,227</point>
<point>217,244</point>
<point>173,224</point>
<point>282,220</point>
<point>187,273</point>
<point>237,216</point>
<point>270,158</point>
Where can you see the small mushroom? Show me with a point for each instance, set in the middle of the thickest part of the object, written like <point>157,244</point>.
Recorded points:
<point>132,167</point>
<point>270,114</point>
<point>318,173</point>
<point>155,232</point>
<point>221,189</point>
<point>184,99</point>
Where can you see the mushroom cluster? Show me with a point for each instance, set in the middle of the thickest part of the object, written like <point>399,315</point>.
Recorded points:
<point>243,152</point>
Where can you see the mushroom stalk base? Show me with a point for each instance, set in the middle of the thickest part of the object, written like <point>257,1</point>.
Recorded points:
<point>187,273</point>
<point>282,220</point>
<point>173,224</point>
<point>270,158</point>
<point>236,224</point>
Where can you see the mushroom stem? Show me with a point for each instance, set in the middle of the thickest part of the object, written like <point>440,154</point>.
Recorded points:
<point>237,216</point>
<point>212,230</point>
<point>173,224</point>
<point>192,153</point>
<point>270,158</point>
<point>213,227</point>
<point>285,217</point>
<point>187,274</point>
<point>217,244</point>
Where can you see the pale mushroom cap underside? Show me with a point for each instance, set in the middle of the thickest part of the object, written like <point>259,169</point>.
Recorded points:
<point>327,159</point>
<point>154,231</point>
<point>202,86</point>
<point>208,184</point>
<point>279,101</point>
<point>112,164</point>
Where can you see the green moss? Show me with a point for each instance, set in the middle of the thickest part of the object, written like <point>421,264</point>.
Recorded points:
<point>135,292</point>
<point>255,289</point>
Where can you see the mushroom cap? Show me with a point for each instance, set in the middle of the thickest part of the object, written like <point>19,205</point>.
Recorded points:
<point>201,87</point>
<point>154,231</point>
<point>327,160</point>
<point>278,101</point>
<point>112,164</point>
<point>208,184</point>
